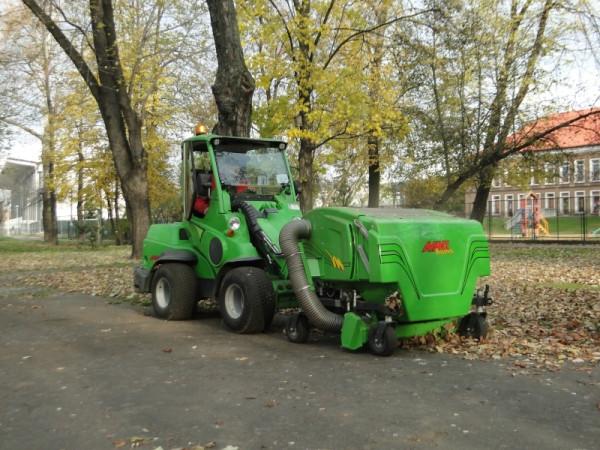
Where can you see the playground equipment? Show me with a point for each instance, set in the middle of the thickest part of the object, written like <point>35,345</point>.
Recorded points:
<point>372,275</point>
<point>529,218</point>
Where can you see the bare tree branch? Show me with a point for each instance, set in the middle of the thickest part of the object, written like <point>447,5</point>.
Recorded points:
<point>66,45</point>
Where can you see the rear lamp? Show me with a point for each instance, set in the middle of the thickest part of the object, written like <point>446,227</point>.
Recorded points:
<point>200,129</point>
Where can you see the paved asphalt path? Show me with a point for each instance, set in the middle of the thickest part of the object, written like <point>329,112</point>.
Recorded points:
<point>79,373</point>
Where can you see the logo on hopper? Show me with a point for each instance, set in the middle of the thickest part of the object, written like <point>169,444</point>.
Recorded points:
<point>438,247</point>
<point>336,262</point>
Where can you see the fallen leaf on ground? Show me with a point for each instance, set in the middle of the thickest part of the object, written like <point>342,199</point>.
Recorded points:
<point>546,298</point>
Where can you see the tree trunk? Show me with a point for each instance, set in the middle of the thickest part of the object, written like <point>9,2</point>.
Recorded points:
<point>374,142</point>
<point>123,125</point>
<point>374,173</point>
<point>49,221</point>
<point>109,209</point>
<point>80,218</point>
<point>118,233</point>
<point>234,85</point>
<point>138,209</point>
<point>481,197</point>
<point>305,160</point>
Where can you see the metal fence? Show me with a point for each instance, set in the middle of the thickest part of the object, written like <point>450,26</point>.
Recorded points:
<point>564,218</point>
<point>68,228</point>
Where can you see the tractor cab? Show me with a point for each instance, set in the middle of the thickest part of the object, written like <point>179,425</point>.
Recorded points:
<point>220,173</point>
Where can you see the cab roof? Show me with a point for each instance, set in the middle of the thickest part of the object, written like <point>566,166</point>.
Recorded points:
<point>208,137</point>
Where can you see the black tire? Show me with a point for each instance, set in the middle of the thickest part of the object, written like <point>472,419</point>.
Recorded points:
<point>297,329</point>
<point>246,300</point>
<point>385,345</point>
<point>473,325</point>
<point>174,291</point>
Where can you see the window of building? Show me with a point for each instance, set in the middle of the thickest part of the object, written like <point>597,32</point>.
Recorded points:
<point>549,200</point>
<point>505,178</point>
<point>564,173</point>
<point>595,202</point>
<point>533,180</point>
<point>579,202</point>
<point>549,173</point>
<point>564,202</point>
<point>579,171</point>
<point>522,201</point>
<point>509,204</point>
<point>594,169</point>
<point>495,205</point>
<point>496,182</point>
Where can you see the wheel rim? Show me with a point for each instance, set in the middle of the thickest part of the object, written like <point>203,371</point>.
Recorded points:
<point>379,344</point>
<point>163,293</point>
<point>234,301</point>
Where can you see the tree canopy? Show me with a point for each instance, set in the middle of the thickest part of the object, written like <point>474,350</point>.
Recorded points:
<point>374,97</point>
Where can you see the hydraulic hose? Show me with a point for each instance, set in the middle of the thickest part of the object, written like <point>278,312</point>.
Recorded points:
<point>258,237</point>
<point>317,314</point>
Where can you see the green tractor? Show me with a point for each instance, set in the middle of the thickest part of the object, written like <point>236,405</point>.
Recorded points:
<point>371,275</point>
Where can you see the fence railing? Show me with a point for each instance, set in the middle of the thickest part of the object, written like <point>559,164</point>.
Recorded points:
<point>547,218</point>
<point>68,228</point>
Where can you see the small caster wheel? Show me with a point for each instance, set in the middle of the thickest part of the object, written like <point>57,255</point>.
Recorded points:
<point>382,340</point>
<point>297,329</point>
<point>473,325</point>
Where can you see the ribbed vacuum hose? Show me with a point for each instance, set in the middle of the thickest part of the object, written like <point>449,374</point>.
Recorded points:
<point>317,314</point>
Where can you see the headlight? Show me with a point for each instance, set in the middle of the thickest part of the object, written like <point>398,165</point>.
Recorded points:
<point>234,224</point>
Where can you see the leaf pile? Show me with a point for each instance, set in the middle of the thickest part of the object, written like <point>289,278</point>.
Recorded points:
<point>106,273</point>
<point>546,307</point>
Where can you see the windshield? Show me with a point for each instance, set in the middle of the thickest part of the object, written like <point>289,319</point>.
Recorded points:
<point>262,169</point>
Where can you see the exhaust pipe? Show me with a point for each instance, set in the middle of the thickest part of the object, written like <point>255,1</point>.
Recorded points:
<point>317,314</point>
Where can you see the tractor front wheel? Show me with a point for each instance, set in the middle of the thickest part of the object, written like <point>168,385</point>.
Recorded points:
<point>382,340</point>
<point>174,291</point>
<point>246,300</point>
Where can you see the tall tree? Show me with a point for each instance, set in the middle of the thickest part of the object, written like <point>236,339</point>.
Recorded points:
<point>234,85</point>
<point>310,71</point>
<point>33,96</point>
<point>123,124</point>
<point>482,60</point>
<point>374,139</point>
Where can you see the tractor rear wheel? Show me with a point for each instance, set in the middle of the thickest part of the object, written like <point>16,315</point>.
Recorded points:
<point>246,300</point>
<point>174,291</point>
<point>382,340</point>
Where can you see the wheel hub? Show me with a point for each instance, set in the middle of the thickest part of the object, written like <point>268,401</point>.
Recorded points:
<point>234,301</point>
<point>163,293</point>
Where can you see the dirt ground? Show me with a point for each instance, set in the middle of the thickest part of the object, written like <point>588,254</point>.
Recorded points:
<point>80,372</point>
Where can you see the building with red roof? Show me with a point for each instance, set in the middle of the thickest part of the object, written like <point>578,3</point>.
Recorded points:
<point>569,187</point>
